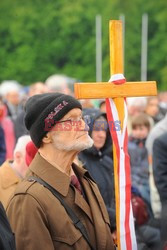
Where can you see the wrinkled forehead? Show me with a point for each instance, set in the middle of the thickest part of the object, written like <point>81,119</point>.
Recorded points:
<point>73,113</point>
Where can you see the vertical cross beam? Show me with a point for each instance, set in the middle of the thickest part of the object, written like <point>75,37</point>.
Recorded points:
<point>117,92</point>
<point>116,67</point>
<point>116,57</point>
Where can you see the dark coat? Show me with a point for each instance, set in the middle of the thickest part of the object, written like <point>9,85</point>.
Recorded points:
<point>160,177</point>
<point>39,221</point>
<point>2,146</point>
<point>19,126</point>
<point>7,241</point>
<point>139,161</point>
<point>99,164</point>
<point>160,165</point>
<point>139,167</point>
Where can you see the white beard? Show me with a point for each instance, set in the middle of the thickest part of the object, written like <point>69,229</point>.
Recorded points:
<point>72,145</point>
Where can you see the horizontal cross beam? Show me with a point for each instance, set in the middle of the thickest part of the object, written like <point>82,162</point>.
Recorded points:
<point>111,90</point>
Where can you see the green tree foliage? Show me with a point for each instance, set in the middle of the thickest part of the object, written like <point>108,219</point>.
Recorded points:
<point>43,37</point>
<point>39,38</point>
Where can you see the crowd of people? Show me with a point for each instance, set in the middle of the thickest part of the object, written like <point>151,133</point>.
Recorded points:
<point>57,167</point>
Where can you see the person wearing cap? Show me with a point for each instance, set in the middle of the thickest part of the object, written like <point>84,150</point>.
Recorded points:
<point>39,210</point>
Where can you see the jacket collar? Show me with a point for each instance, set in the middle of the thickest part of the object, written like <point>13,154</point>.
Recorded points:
<point>50,174</point>
<point>53,176</point>
<point>8,175</point>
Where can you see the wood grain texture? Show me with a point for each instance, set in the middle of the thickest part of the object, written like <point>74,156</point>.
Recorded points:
<point>110,90</point>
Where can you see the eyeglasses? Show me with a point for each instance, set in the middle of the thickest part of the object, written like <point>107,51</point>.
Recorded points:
<point>63,121</point>
<point>78,120</point>
<point>96,125</point>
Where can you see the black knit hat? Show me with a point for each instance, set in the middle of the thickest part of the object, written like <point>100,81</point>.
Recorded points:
<point>42,111</point>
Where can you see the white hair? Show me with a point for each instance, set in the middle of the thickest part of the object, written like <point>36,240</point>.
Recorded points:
<point>9,86</point>
<point>137,101</point>
<point>21,144</point>
<point>57,82</point>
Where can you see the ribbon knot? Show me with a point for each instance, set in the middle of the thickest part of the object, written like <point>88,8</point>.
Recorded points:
<point>117,79</point>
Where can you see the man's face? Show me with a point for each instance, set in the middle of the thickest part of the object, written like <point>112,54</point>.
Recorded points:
<point>71,133</point>
<point>99,134</point>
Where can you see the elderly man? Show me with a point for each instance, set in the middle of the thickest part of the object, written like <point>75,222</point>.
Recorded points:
<point>58,205</point>
<point>12,171</point>
<point>10,91</point>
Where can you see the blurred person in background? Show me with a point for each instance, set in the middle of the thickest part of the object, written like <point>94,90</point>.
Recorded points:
<point>160,177</point>
<point>58,83</point>
<point>102,105</point>
<point>10,91</point>
<point>158,129</point>
<point>8,128</point>
<point>87,103</point>
<point>2,146</point>
<point>162,97</point>
<point>37,88</point>
<point>19,126</point>
<point>98,159</point>
<point>12,171</point>
<point>135,105</point>
<point>152,108</point>
<point>139,155</point>
<point>65,84</point>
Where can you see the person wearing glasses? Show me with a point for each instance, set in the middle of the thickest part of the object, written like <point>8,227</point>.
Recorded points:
<point>58,204</point>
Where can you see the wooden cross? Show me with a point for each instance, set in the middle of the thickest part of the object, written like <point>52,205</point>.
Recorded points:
<point>116,92</point>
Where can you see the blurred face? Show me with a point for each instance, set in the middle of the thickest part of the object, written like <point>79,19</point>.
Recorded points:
<point>103,107</point>
<point>13,97</point>
<point>152,107</point>
<point>99,134</point>
<point>71,133</point>
<point>38,88</point>
<point>135,110</point>
<point>20,163</point>
<point>140,132</point>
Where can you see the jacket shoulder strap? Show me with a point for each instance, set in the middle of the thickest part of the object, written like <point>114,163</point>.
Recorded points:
<point>23,187</point>
<point>77,223</point>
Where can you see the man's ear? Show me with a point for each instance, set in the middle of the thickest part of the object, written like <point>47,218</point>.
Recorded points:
<point>47,138</point>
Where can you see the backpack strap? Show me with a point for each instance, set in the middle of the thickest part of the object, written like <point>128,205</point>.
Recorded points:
<point>77,223</point>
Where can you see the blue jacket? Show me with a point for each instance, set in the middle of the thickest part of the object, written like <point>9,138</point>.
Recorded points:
<point>139,161</point>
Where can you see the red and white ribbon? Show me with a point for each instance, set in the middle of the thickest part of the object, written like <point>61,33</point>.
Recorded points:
<point>117,79</point>
<point>120,140</point>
